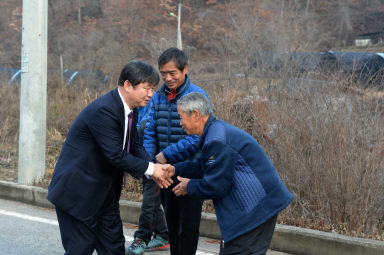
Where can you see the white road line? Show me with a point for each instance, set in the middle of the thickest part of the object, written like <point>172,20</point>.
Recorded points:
<point>43,220</point>
<point>28,217</point>
<point>54,222</point>
<point>203,253</point>
<point>128,238</point>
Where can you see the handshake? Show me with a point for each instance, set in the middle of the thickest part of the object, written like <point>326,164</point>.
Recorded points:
<point>162,175</point>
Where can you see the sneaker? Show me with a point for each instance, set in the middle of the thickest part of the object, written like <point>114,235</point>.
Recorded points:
<point>136,248</point>
<point>157,244</point>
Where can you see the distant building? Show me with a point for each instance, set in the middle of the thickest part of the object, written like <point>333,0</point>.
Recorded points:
<point>368,39</point>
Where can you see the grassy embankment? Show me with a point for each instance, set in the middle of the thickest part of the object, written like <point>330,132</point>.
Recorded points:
<point>325,139</point>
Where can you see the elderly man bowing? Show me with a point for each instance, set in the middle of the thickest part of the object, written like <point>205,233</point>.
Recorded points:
<point>233,171</point>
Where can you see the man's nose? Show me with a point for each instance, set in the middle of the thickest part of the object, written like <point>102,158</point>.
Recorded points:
<point>150,93</point>
<point>167,77</point>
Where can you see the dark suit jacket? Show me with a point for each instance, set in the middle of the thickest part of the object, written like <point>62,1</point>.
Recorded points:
<point>92,160</point>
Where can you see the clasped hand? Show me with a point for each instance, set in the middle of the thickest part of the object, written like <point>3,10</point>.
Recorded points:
<point>162,175</point>
<point>181,188</point>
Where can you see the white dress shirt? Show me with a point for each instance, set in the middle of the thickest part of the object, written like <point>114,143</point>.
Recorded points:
<point>151,166</point>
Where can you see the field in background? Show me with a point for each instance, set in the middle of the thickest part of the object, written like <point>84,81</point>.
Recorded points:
<point>324,136</point>
<point>322,131</point>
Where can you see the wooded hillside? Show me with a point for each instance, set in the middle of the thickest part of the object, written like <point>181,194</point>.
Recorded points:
<point>112,31</point>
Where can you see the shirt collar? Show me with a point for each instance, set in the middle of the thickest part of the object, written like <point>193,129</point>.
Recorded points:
<point>126,107</point>
<point>126,112</point>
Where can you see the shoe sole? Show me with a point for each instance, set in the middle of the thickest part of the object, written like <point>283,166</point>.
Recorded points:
<point>131,253</point>
<point>159,248</point>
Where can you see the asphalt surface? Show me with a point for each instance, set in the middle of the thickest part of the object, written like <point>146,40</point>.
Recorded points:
<point>27,229</point>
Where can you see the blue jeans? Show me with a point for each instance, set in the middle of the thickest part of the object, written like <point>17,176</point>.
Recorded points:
<point>152,220</point>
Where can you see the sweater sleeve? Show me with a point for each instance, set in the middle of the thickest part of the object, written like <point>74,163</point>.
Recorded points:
<point>219,164</point>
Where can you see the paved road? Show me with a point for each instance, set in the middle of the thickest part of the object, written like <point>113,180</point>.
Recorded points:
<point>26,229</point>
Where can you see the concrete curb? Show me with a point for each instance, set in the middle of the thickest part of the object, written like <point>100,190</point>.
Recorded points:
<point>24,193</point>
<point>287,239</point>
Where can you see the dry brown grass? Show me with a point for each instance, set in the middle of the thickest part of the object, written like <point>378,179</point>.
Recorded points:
<point>327,144</point>
<point>9,126</point>
<point>329,149</point>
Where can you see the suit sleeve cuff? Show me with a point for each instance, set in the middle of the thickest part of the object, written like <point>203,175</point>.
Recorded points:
<point>150,170</point>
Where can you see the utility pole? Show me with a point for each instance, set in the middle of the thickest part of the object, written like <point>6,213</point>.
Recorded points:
<point>79,18</point>
<point>62,70</point>
<point>179,43</point>
<point>33,91</point>
<point>178,16</point>
<point>306,9</point>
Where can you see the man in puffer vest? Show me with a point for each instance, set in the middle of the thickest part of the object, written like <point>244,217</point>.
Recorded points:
<point>166,141</point>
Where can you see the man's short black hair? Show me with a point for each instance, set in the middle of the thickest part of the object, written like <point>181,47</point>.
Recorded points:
<point>136,72</point>
<point>177,56</point>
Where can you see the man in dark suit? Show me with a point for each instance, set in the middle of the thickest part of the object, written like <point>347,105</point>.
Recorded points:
<point>99,148</point>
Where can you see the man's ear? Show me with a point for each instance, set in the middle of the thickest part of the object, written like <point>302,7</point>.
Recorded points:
<point>127,84</point>
<point>196,114</point>
<point>185,71</point>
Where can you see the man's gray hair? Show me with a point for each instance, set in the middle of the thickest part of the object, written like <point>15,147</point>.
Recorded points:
<point>195,101</point>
